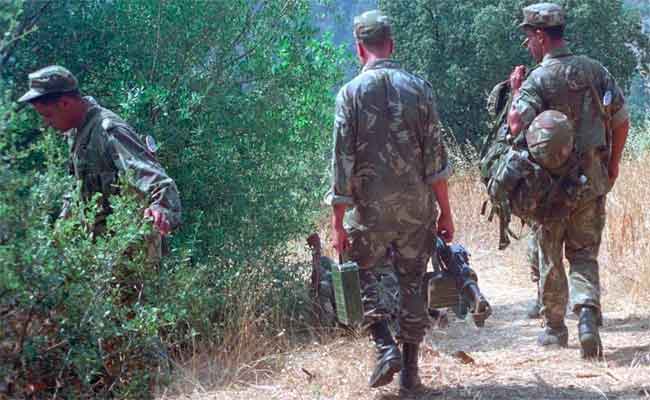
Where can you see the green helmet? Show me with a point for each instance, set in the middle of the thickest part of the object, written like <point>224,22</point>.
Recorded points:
<point>550,139</point>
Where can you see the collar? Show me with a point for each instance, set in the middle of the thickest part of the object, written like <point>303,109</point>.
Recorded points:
<point>76,134</point>
<point>558,52</point>
<point>381,63</point>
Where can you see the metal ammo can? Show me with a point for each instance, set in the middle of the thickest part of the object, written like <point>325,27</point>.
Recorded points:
<point>442,290</point>
<point>347,293</point>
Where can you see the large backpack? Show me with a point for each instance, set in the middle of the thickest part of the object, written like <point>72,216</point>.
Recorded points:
<point>516,184</point>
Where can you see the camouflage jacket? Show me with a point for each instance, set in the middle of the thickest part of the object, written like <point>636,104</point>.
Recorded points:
<point>105,146</point>
<point>387,150</point>
<point>565,82</point>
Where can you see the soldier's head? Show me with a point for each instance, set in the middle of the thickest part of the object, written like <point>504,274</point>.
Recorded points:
<point>54,94</point>
<point>543,25</point>
<point>373,34</point>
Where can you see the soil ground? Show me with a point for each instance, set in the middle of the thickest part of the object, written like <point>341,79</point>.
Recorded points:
<point>499,361</point>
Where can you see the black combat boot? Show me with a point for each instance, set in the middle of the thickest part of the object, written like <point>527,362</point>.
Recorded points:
<point>555,334</point>
<point>590,344</point>
<point>409,380</point>
<point>388,355</point>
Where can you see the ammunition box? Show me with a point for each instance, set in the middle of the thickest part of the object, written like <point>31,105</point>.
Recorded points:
<point>442,291</point>
<point>347,293</point>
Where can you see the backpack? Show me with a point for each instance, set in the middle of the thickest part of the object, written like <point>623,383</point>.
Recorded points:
<point>516,184</point>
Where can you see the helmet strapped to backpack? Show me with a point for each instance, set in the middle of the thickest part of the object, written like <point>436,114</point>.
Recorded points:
<point>550,139</point>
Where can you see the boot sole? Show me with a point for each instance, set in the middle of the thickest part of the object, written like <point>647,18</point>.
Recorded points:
<point>590,346</point>
<point>384,374</point>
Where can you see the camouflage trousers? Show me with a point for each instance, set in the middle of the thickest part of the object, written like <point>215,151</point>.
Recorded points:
<point>532,253</point>
<point>579,236</point>
<point>412,251</point>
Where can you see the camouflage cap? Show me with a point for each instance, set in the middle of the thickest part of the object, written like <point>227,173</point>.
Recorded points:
<point>371,26</point>
<point>543,15</point>
<point>48,80</point>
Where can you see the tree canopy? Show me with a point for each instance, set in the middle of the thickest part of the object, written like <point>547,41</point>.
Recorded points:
<point>466,47</point>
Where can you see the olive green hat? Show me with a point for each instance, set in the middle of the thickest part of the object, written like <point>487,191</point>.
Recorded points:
<point>48,80</point>
<point>543,15</point>
<point>372,27</point>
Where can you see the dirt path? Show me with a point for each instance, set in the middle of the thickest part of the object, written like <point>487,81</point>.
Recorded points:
<point>505,362</point>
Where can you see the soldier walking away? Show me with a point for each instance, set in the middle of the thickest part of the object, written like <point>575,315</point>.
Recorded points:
<point>103,146</point>
<point>388,163</point>
<point>588,95</point>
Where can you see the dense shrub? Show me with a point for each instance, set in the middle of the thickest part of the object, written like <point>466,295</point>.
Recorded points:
<point>239,97</point>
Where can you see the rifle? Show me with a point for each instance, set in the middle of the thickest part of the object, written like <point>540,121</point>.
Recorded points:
<point>454,284</point>
<point>314,244</point>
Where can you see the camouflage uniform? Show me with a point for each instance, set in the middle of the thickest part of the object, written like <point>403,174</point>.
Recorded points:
<point>105,146</point>
<point>387,153</point>
<point>532,254</point>
<point>562,81</point>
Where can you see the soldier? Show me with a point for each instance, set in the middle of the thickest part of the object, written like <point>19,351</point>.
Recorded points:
<point>585,91</point>
<point>388,162</point>
<point>102,146</point>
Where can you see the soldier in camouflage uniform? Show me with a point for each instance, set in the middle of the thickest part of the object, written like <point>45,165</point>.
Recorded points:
<point>388,163</point>
<point>102,146</point>
<point>585,91</point>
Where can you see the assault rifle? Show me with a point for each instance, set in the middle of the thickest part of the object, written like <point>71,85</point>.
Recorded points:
<point>453,284</point>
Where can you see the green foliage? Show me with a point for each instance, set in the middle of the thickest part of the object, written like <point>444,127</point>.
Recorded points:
<point>63,291</point>
<point>239,97</point>
<point>241,108</point>
<point>465,48</point>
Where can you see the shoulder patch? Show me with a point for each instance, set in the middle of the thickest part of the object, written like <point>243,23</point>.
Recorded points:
<point>108,124</point>
<point>151,143</point>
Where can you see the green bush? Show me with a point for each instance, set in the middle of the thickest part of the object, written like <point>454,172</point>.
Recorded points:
<point>241,110</point>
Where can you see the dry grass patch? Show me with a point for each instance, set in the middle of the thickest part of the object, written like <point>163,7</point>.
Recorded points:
<point>625,253</point>
<point>296,363</point>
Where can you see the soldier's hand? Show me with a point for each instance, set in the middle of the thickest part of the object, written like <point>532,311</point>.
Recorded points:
<point>340,240</point>
<point>517,78</point>
<point>159,220</point>
<point>446,227</point>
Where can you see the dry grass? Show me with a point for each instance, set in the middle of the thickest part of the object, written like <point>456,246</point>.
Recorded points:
<point>625,252</point>
<point>325,365</point>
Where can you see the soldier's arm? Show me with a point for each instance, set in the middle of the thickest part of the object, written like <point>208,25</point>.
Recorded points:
<point>344,153</point>
<point>434,152</point>
<point>527,101</point>
<point>437,168</point>
<point>147,175</point>
<point>620,124</point>
<point>619,137</point>
<point>339,195</point>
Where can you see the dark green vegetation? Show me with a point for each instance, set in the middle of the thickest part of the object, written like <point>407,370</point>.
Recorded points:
<point>239,96</point>
<point>465,47</point>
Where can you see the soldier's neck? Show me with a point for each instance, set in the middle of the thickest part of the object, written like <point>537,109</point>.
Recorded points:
<point>372,59</point>
<point>554,45</point>
<point>80,113</point>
